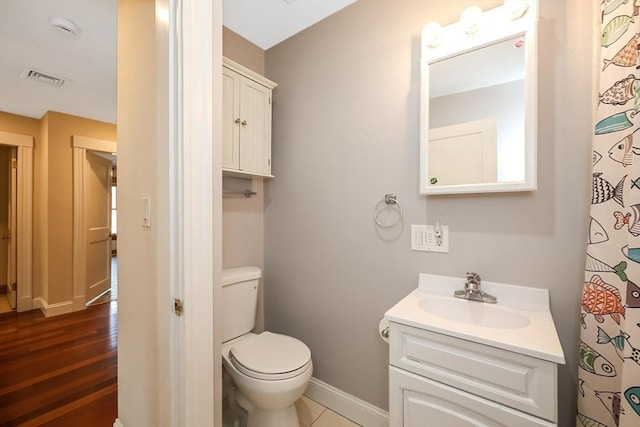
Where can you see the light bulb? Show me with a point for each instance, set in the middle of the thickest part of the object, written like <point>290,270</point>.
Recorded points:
<point>433,34</point>
<point>471,19</point>
<point>515,9</point>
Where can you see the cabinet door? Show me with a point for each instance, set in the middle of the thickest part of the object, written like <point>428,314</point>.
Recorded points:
<point>255,127</point>
<point>419,402</point>
<point>230,119</point>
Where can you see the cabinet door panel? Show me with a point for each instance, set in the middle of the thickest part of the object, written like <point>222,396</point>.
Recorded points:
<point>230,113</point>
<point>420,402</point>
<point>255,128</point>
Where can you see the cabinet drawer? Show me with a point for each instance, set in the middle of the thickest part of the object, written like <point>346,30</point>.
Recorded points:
<point>418,402</point>
<point>516,380</point>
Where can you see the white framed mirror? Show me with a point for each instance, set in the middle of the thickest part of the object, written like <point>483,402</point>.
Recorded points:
<point>478,113</point>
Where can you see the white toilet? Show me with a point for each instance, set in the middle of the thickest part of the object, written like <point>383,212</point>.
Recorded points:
<point>270,371</point>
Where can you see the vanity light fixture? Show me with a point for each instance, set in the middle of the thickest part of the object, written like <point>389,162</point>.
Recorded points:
<point>471,19</point>
<point>515,9</point>
<point>433,34</point>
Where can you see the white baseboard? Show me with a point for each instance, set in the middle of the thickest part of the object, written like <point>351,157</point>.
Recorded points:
<point>118,423</point>
<point>347,405</point>
<point>50,310</point>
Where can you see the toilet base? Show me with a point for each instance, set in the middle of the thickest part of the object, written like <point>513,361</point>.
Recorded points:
<point>286,417</point>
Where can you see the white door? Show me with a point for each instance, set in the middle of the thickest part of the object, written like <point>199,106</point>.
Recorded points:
<point>11,225</point>
<point>97,215</point>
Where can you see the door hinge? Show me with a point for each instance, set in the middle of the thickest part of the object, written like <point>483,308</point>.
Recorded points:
<point>14,164</point>
<point>178,306</point>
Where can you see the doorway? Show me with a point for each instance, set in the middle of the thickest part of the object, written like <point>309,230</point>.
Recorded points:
<point>93,161</point>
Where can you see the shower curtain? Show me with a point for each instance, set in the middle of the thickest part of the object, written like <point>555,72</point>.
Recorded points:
<point>609,355</point>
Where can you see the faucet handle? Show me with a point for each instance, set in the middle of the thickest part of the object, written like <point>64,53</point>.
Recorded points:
<point>473,277</point>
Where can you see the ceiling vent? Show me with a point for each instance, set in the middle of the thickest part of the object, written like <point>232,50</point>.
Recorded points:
<point>43,78</point>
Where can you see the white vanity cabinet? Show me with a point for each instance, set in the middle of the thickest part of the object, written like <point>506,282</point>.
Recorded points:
<point>440,380</point>
<point>246,132</point>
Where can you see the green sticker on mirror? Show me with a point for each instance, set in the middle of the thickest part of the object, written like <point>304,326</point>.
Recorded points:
<point>433,181</point>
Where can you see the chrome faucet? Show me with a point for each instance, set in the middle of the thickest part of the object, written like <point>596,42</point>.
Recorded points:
<point>472,290</point>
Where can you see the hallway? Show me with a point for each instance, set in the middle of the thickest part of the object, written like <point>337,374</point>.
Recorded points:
<point>60,371</point>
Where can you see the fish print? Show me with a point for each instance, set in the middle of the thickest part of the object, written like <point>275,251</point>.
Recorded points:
<point>597,266</point>
<point>614,123</point>
<point>615,29</point>
<point>602,190</point>
<point>630,219</point>
<point>618,343</point>
<point>621,92</point>
<point>623,150</point>
<point>611,5</point>
<point>611,401</point>
<point>595,158</point>
<point>633,295</point>
<point>581,387</point>
<point>600,298</point>
<point>593,362</point>
<point>632,253</point>
<point>633,397</point>
<point>597,233</point>
<point>625,57</point>
<point>589,422</point>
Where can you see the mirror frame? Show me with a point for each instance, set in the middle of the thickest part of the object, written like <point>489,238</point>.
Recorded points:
<point>455,42</point>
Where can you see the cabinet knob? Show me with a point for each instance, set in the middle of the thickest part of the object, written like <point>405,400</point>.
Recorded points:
<point>237,121</point>
<point>244,123</point>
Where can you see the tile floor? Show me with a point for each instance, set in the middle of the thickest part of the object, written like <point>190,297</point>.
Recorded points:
<point>310,414</point>
<point>313,414</point>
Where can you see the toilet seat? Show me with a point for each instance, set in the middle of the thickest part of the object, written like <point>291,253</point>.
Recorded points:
<point>270,356</point>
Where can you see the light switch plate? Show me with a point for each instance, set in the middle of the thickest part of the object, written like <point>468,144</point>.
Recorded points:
<point>423,238</point>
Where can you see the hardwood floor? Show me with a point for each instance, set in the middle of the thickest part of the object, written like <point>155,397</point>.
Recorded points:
<point>60,371</point>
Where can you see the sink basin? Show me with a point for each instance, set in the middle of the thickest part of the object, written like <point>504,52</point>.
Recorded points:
<point>473,313</point>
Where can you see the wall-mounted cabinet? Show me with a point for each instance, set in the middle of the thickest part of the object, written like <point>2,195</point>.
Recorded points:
<point>246,148</point>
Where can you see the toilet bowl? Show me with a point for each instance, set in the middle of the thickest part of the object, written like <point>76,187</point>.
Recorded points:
<point>270,371</point>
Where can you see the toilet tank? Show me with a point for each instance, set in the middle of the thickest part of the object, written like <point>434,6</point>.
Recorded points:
<point>239,300</point>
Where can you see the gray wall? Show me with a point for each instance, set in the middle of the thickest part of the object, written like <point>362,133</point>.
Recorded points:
<point>243,218</point>
<point>345,133</point>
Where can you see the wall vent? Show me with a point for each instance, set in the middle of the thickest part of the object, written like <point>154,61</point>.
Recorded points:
<point>43,78</point>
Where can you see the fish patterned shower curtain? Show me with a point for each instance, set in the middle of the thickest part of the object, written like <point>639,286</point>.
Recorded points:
<point>609,355</point>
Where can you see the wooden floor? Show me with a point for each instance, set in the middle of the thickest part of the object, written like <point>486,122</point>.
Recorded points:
<point>60,371</point>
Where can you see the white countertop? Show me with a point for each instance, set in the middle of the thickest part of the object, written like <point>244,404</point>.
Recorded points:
<point>537,339</point>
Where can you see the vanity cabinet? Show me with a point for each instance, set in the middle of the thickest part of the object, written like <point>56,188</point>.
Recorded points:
<point>440,380</point>
<point>246,131</point>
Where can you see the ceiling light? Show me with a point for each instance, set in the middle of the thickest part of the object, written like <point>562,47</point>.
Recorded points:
<point>65,27</point>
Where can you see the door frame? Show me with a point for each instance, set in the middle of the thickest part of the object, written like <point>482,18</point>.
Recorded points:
<point>79,258</point>
<point>24,220</point>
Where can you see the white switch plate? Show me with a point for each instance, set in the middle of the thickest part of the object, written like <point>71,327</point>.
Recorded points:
<point>423,238</point>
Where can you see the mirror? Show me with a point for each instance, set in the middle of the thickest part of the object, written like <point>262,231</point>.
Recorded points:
<point>478,106</point>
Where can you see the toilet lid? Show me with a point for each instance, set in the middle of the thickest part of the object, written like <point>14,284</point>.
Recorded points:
<point>270,356</point>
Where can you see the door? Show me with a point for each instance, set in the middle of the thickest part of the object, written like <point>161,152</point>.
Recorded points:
<point>10,237</point>
<point>255,127</point>
<point>97,215</point>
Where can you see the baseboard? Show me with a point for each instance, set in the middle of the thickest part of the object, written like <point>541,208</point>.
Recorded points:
<point>118,423</point>
<point>79,303</point>
<point>50,310</point>
<point>348,406</point>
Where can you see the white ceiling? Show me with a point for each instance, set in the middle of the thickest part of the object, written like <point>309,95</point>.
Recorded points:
<point>88,63</point>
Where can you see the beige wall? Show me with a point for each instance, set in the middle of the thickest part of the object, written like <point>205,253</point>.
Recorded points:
<point>346,120</point>
<point>53,195</point>
<point>243,218</point>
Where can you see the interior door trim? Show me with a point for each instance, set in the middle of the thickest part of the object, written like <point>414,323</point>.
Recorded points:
<point>80,146</point>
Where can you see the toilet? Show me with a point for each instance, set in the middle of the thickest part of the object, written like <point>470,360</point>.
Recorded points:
<point>270,371</point>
